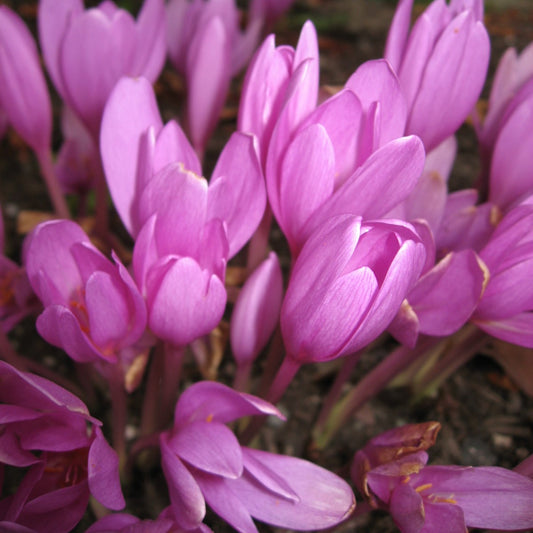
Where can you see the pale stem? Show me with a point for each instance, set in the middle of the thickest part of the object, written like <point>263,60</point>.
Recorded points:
<point>241,382</point>
<point>369,386</point>
<point>115,378</point>
<point>52,184</point>
<point>173,362</point>
<point>283,379</point>
<point>272,363</point>
<point>334,393</point>
<point>149,410</point>
<point>101,215</point>
<point>471,341</point>
<point>258,245</point>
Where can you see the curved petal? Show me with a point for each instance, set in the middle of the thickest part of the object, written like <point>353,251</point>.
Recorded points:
<point>217,402</point>
<point>210,447</point>
<point>103,476</point>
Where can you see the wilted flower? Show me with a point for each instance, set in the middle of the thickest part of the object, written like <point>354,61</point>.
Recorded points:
<point>203,462</point>
<point>391,471</point>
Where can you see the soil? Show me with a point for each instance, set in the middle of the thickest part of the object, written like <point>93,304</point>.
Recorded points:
<point>486,419</point>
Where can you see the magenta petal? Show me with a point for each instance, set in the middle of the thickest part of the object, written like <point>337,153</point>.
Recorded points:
<point>185,303</point>
<point>28,390</point>
<point>208,78</point>
<point>53,19</point>
<point>58,511</point>
<point>455,73</point>
<point>324,499</point>
<point>407,509</point>
<point>49,252</point>
<point>219,403</point>
<point>306,181</point>
<point>130,110</point>
<point>151,45</point>
<point>107,309</point>
<point>439,514</point>
<point>398,32</point>
<point>375,81</point>
<point>210,447</point>
<point>446,296</point>
<point>237,193</point>
<point>517,329</point>
<point>384,180</point>
<point>510,174</point>
<point>57,325</point>
<point>219,495</point>
<point>172,146</point>
<point>23,91</point>
<point>103,476</point>
<point>341,116</point>
<point>256,311</point>
<point>267,477</point>
<point>491,497</point>
<point>185,495</point>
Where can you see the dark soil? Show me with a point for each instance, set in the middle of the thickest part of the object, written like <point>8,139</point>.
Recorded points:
<point>486,419</point>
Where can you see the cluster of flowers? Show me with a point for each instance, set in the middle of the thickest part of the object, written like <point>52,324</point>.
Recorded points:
<point>358,185</point>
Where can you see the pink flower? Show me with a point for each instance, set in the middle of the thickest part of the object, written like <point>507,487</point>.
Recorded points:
<point>203,462</point>
<point>24,96</point>
<point>72,464</point>
<point>441,63</point>
<point>93,309</point>
<point>88,51</point>
<point>207,46</point>
<point>346,286</point>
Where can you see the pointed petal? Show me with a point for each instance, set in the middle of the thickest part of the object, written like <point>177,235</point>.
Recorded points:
<point>219,403</point>
<point>130,110</point>
<point>103,476</point>
<point>210,447</point>
<point>237,193</point>
<point>186,498</point>
<point>324,499</point>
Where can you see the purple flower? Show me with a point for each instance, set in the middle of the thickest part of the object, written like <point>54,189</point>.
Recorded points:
<point>24,96</point>
<point>506,308</point>
<point>256,311</point>
<point>126,523</point>
<point>72,464</point>
<point>280,81</point>
<point>391,470</point>
<point>505,135</point>
<point>88,51</point>
<point>207,46</point>
<point>441,63</point>
<point>346,286</point>
<point>93,309</point>
<point>203,462</point>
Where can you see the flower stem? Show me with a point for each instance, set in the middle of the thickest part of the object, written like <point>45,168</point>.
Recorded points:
<point>258,245</point>
<point>52,184</point>
<point>369,386</point>
<point>334,393</point>
<point>119,406</point>
<point>173,362</point>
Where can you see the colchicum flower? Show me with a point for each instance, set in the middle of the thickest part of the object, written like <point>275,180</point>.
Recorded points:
<point>87,51</point>
<point>72,463</point>
<point>93,309</point>
<point>204,463</point>
<point>391,471</point>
